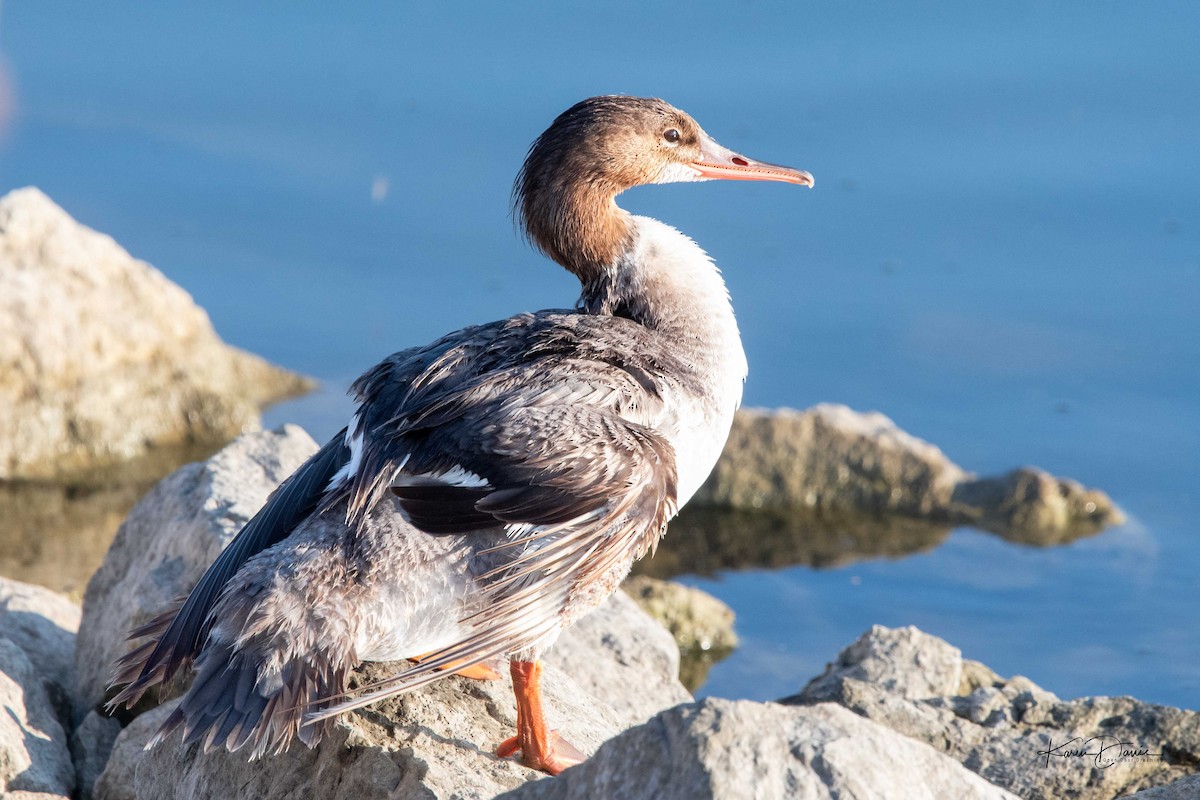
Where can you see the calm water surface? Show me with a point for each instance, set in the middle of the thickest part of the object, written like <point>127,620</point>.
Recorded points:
<point>1002,252</point>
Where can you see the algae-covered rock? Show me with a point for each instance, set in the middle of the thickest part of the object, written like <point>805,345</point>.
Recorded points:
<point>701,624</point>
<point>830,458</point>
<point>696,619</point>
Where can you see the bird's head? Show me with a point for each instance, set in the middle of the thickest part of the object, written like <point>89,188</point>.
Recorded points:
<point>604,145</point>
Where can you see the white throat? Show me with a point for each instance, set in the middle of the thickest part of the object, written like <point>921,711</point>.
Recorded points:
<point>671,285</point>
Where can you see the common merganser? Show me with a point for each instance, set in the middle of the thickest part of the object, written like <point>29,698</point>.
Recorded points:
<point>492,487</point>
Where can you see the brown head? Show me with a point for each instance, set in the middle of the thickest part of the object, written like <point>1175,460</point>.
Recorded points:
<point>602,146</point>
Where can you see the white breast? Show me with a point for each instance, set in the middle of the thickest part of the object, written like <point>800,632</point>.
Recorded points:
<point>693,307</point>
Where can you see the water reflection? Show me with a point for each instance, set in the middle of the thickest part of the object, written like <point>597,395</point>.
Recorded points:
<point>706,540</point>
<point>695,664</point>
<point>56,535</point>
<point>703,541</point>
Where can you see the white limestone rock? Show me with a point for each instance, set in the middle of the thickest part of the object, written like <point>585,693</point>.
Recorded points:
<point>1011,732</point>
<point>34,755</point>
<point>43,624</point>
<point>103,357</point>
<point>722,750</point>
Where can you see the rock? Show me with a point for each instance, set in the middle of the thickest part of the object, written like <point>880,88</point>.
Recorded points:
<point>975,676</point>
<point>725,749</point>
<point>828,457</point>
<point>91,744</point>
<point>696,619</point>
<point>622,656</point>
<point>170,538</point>
<point>1033,507</point>
<point>1012,732</point>
<point>432,743</point>
<point>37,665</point>
<point>1183,789</point>
<point>103,357</point>
<point>904,662</point>
<point>116,781</point>
<point>43,624</point>
<point>832,458</point>
<point>701,624</point>
<point>34,757</point>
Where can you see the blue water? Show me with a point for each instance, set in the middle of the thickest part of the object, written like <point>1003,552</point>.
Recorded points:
<point>1002,251</point>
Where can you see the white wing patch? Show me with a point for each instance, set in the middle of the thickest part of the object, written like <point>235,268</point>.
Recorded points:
<point>455,476</point>
<point>354,440</point>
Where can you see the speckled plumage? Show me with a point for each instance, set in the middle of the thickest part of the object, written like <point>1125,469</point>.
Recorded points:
<point>492,486</point>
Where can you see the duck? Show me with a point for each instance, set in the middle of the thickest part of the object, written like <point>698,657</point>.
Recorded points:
<point>491,487</point>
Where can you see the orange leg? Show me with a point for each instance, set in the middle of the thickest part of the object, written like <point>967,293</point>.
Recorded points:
<point>477,672</point>
<point>540,748</point>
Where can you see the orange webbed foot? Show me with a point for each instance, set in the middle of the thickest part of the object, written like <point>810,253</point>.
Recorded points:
<point>540,747</point>
<point>559,755</point>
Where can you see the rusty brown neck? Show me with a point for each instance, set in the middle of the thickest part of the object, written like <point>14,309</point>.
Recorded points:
<point>579,225</point>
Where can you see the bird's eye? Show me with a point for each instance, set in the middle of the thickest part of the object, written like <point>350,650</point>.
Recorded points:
<point>672,135</point>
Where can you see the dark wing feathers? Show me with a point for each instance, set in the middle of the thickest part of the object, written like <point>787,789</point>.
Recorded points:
<point>545,461</point>
<point>438,508</point>
<point>567,445</point>
<point>525,592</point>
<point>540,504</point>
<point>455,403</point>
<point>179,635</point>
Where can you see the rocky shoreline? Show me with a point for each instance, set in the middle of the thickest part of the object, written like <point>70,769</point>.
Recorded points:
<point>898,713</point>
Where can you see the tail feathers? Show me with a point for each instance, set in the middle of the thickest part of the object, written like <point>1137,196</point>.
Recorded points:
<point>133,670</point>
<point>231,706</point>
<point>179,634</point>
